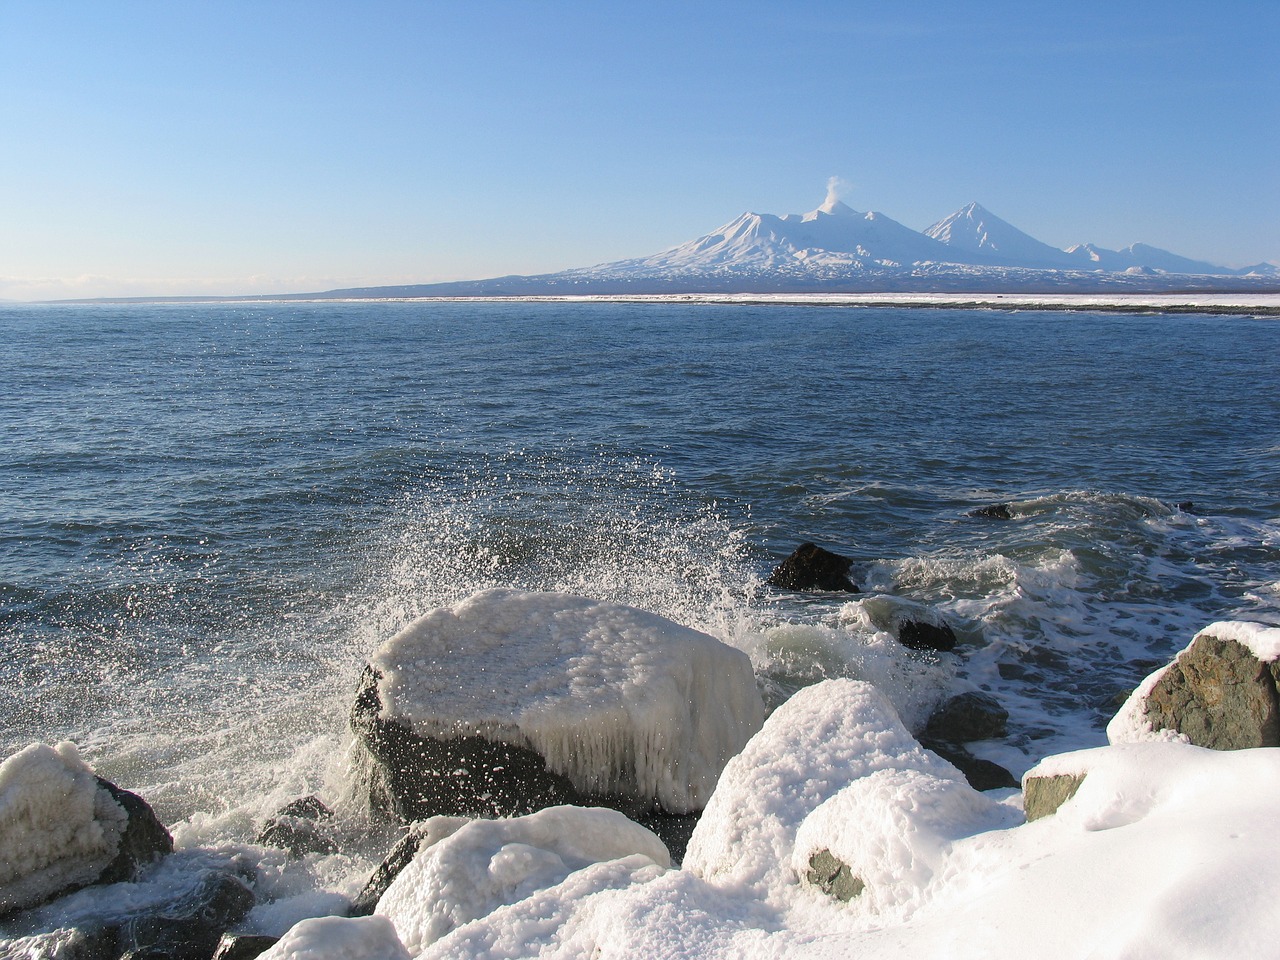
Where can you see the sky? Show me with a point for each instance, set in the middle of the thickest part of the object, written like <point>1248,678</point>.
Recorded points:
<point>166,148</point>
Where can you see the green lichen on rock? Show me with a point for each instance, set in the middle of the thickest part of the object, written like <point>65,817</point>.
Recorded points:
<point>833,876</point>
<point>1219,695</point>
<point>1042,796</point>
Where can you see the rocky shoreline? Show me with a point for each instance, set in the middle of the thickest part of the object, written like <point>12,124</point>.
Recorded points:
<point>695,718</point>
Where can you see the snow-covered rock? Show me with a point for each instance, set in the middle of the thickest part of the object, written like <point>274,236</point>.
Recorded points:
<point>62,827</point>
<point>512,700</point>
<point>485,864</point>
<point>1221,691</point>
<point>893,830</point>
<point>339,938</point>
<point>819,742</point>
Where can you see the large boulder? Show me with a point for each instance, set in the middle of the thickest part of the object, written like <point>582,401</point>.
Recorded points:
<point>63,828</point>
<point>512,701</point>
<point>810,567</point>
<point>1220,692</point>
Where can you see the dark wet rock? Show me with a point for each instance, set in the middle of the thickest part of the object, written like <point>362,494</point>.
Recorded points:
<point>296,828</point>
<point>413,778</point>
<point>416,777</point>
<point>981,774</point>
<point>145,838</point>
<point>1042,796</point>
<point>994,511</point>
<point>810,567</point>
<point>833,877</point>
<point>243,947</point>
<point>967,717</point>
<point>1219,695</point>
<point>191,926</point>
<point>400,856</point>
<point>923,635</point>
<point>1186,506</point>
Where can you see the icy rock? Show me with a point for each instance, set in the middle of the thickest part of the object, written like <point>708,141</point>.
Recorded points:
<point>511,701</point>
<point>810,567</point>
<point>1220,692</point>
<point>63,828</point>
<point>487,864</point>
<point>339,938</point>
<point>823,739</point>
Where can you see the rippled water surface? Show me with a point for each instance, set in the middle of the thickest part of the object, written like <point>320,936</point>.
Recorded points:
<point>212,513</point>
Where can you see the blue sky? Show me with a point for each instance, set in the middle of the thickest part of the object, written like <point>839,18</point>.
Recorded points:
<point>236,147</point>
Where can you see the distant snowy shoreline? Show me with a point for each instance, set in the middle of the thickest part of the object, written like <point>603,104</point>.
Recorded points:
<point>1261,304</point>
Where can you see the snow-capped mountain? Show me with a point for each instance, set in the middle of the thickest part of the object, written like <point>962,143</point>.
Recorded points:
<point>832,236</point>
<point>835,248</point>
<point>977,230</point>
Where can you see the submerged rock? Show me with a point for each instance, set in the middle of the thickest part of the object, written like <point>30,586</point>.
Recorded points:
<point>1220,692</point>
<point>994,511</point>
<point>63,828</point>
<point>296,828</point>
<point>810,567</point>
<point>926,635</point>
<point>512,701</point>
<point>966,717</point>
<point>191,926</point>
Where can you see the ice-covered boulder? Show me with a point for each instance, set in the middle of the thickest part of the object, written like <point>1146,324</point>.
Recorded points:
<point>822,740</point>
<point>63,828</point>
<point>486,864</point>
<point>511,701</point>
<point>1219,692</point>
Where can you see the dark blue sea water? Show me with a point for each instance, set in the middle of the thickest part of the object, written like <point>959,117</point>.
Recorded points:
<point>212,513</point>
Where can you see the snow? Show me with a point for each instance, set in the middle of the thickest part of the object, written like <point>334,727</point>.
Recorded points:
<point>488,863</point>
<point>1166,850</point>
<point>1130,724</point>
<point>58,828</point>
<point>617,699</point>
<point>813,746</point>
<point>357,938</point>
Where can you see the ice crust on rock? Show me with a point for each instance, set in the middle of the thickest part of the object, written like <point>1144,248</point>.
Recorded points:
<point>616,699</point>
<point>486,864</point>
<point>815,745</point>
<point>58,829</point>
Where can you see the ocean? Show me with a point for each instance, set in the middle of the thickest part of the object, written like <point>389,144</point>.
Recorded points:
<point>213,513</point>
